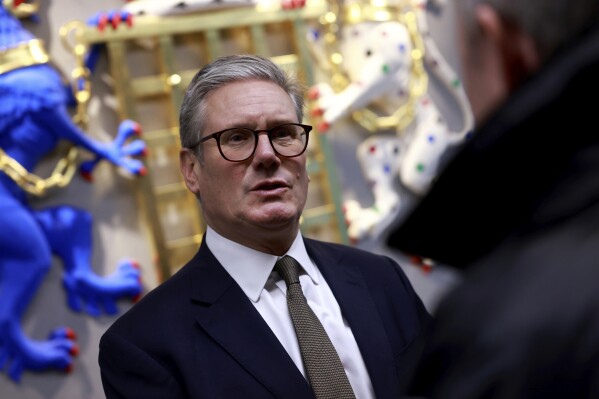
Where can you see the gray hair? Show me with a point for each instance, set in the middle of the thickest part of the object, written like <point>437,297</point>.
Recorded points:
<point>226,70</point>
<point>550,23</point>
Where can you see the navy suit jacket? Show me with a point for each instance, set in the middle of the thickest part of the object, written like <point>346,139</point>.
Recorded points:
<point>198,335</point>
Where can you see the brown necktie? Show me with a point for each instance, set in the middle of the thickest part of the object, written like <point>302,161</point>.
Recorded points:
<point>323,366</point>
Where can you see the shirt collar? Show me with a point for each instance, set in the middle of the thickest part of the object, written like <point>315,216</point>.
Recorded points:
<point>251,268</point>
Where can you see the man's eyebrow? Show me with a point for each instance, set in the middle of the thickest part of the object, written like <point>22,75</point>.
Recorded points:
<point>253,126</point>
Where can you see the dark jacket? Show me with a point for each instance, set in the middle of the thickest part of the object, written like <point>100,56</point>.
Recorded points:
<point>518,210</point>
<point>199,336</point>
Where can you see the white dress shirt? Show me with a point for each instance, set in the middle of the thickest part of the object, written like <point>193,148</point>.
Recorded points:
<point>254,273</point>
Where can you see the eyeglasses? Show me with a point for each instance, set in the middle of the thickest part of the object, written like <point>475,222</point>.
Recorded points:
<point>239,143</point>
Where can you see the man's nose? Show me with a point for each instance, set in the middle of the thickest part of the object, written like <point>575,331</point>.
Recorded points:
<point>264,144</point>
<point>264,151</point>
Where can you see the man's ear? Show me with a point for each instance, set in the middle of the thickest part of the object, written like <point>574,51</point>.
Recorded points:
<point>190,164</point>
<point>516,50</point>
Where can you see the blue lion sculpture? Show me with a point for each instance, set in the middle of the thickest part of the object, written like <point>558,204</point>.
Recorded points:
<point>34,118</point>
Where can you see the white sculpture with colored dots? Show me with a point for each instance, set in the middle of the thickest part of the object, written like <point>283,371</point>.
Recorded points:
<point>384,64</point>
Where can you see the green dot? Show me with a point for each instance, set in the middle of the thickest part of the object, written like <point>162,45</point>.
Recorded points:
<point>456,83</point>
<point>385,68</point>
<point>420,167</point>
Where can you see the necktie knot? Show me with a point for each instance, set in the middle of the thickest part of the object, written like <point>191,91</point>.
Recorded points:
<point>288,268</point>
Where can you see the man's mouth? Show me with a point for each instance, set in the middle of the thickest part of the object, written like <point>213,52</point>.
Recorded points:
<point>269,186</point>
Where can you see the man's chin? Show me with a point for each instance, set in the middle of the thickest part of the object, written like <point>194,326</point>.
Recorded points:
<point>271,217</point>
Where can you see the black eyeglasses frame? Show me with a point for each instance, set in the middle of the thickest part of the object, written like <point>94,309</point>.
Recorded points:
<point>216,136</point>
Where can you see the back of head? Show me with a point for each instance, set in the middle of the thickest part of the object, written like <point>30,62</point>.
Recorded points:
<point>550,23</point>
<point>226,70</point>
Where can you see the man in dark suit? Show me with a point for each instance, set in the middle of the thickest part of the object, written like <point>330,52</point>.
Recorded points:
<point>518,210</point>
<point>220,327</point>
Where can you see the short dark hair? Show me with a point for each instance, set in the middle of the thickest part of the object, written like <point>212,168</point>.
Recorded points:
<point>551,24</point>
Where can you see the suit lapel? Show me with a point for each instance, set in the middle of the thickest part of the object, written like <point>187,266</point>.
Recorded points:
<point>228,316</point>
<point>348,286</point>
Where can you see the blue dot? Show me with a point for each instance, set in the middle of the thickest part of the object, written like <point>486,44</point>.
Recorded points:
<point>402,48</point>
<point>387,169</point>
<point>431,138</point>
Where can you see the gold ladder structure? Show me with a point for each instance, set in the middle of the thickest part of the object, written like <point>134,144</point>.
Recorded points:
<point>153,62</point>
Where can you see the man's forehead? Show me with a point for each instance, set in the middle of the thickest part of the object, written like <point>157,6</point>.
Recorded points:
<point>250,104</point>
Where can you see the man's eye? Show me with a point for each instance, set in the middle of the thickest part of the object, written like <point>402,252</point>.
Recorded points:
<point>283,133</point>
<point>237,137</point>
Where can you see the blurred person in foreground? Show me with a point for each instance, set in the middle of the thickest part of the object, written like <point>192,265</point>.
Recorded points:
<point>518,210</point>
<point>221,327</point>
